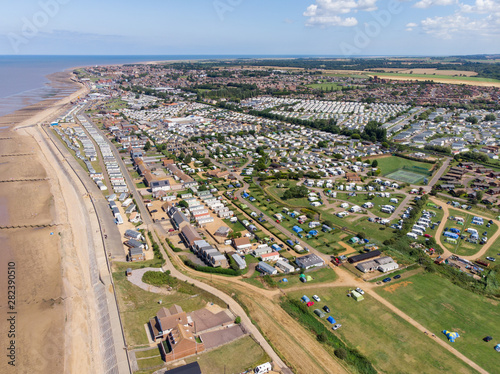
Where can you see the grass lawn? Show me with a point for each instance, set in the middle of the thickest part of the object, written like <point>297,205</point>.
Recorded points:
<point>389,165</point>
<point>236,226</point>
<point>322,275</point>
<point>236,357</point>
<point>153,352</point>
<point>440,305</point>
<point>150,363</point>
<point>137,306</point>
<point>325,86</point>
<point>388,341</point>
<point>464,248</point>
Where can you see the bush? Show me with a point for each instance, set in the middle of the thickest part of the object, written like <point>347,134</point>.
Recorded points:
<point>341,353</point>
<point>237,320</point>
<point>158,278</point>
<point>209,269</point>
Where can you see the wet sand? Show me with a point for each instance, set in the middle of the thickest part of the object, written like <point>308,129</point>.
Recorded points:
<point>53,324</point>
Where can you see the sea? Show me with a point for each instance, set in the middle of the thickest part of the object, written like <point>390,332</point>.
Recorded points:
<point>24,82</point>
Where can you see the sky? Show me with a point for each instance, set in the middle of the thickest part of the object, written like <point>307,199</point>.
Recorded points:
<point>250,27</point>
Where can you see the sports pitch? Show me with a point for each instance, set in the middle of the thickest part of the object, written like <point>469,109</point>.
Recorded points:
<point>406,176</point>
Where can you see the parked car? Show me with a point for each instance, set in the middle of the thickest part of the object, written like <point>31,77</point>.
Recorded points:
<point>336,326</point>
<point>316,298</point>
<point>171,230</point>
<point>492,259</point>
<point>397,276</point>
<point>427,236</point>
<point>360,291</point>
<point>326,309</point>
<point>386,280</point>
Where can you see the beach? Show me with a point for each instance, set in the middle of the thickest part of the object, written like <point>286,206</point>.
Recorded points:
<point>53,318</point>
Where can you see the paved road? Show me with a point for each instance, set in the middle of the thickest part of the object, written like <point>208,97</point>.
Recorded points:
<point>438,174</point>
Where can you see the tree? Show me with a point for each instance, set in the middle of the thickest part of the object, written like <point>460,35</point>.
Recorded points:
<point>206,162</point>
<point>296,192</point>
<point>183,204</point>
<point>374,163</point>
<point>472,119</point>
<point>490,117</point>
<point>479,195</point>
<point>341,353</point>
<point>147,146</point>
<point>237,320</point>
<point>356,136</point>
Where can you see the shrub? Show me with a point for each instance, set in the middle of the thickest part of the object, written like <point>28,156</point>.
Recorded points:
<point>237,320</point>
<point>341,353</point>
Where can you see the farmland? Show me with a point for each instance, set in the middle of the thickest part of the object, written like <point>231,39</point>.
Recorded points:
<point>439,305</point>
<point>390,343</point>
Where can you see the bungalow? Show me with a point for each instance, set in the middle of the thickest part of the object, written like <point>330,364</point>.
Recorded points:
<point>266,268</point>
<point>189,235</point>
<point>242,244</point>
<point>309,261</point>
<point>273,256</point>
<point>284,266</point>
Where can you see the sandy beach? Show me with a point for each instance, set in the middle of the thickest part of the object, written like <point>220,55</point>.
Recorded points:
<point>55,329</point>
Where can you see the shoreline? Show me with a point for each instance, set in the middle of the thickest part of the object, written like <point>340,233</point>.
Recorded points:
<point>55,327</point>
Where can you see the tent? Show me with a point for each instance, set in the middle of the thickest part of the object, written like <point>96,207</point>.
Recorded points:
<point>357,296</point>
<point>297,229</point>
<point>305,299</point>
<point>451,335</point>
<point>302,276</point>
<point>331,320</point>
<point>284,280</point>
<point>309,278</point>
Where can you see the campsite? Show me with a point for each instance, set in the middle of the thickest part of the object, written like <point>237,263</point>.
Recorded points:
<point>439,305</point>
<point>384,338</point>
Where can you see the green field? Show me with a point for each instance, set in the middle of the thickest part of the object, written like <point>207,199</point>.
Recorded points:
<point>388,165</point>
<point>464,248</point>
<point>390,343</point>
<point>430,76</point>
<point>439,305</point>
<point>325,86</point>
<point>235,357</point>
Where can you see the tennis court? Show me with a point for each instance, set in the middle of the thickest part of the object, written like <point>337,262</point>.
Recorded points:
<point>406,176</point>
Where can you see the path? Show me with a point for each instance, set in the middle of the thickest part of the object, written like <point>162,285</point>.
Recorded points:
<point>136,278</point>
<point>438,175</point>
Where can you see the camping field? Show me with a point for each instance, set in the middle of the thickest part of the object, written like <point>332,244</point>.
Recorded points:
<point>390,343</point>
<point>439,305</point>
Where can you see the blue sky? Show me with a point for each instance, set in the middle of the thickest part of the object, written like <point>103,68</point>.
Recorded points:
<point>250,27</point>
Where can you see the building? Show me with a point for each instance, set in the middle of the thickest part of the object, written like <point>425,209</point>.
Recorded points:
<point>161,185</point>
<point>136,254</point>
<point>132,234</point>
<point>179,220</point>
<point>189,235</point>
<point>363,256</point>
<point>284,266</point>
<point>353,177</point>
<point>242,244</point>
<point>266,268</point>
<point>192,368</point>
<point>309,261</point>
<point>239,261</point>
<point>273,256</point>
<point>166,320</point>
<point>181,343</point>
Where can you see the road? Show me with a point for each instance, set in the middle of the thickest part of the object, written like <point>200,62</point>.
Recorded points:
<point>438,175</point>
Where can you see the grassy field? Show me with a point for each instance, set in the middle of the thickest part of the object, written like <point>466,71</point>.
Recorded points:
<point>322,275</point>
<point>388,341</point>
<point>388,165</point>
<point>440,305</point>
<point>432,76</point>
<point>464,248</point>
<point>235,357</point>
<point>325,86</point>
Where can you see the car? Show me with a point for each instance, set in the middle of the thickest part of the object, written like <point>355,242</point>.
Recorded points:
<point>180,242</point>
<point>316,298</point>
<point>326,309</point>
<point>492,259</point>
<point>386,280</point>
<point>397,276</point>
<point>171,230</point>
<point>154,211</point>
<point>360,291</point>
<point>278,221</point>
<point>336,326</point>
<point>427,236</point>
<point>488,339</point>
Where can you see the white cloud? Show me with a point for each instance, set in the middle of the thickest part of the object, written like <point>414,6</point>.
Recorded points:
<point>329,12</point>
<point>410,26</point>
<point>482,6</point>
<point>457,25</point>
<point>423,4</point>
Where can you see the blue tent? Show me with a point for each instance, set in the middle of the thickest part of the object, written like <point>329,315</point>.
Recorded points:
<point>284,280</point>
<point>305,299</point>
<point>331,320</point>
<point>297,229</point>
<point>313,232</point>
<point>451,335</point>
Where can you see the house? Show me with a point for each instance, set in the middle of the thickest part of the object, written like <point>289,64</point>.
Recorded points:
<point>242,244</point>
<point>363,256</point>
<point>189,235</point>
<point>136,254</point>
<point>309,261</point>
<point>284,266</point>
<point>166,320</point>
<point>266,268</point>
<point>157,186</point>
<point>181,343</point>
<point>239,261</point>
<point>352,177</point>
<point>273,256</point>
<point>132,234</point>
<point>179,220</point>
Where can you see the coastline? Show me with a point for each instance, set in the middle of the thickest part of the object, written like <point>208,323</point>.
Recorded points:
<point>55,329</point>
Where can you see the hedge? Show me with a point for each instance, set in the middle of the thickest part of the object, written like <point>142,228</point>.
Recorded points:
<point>209,269</point>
